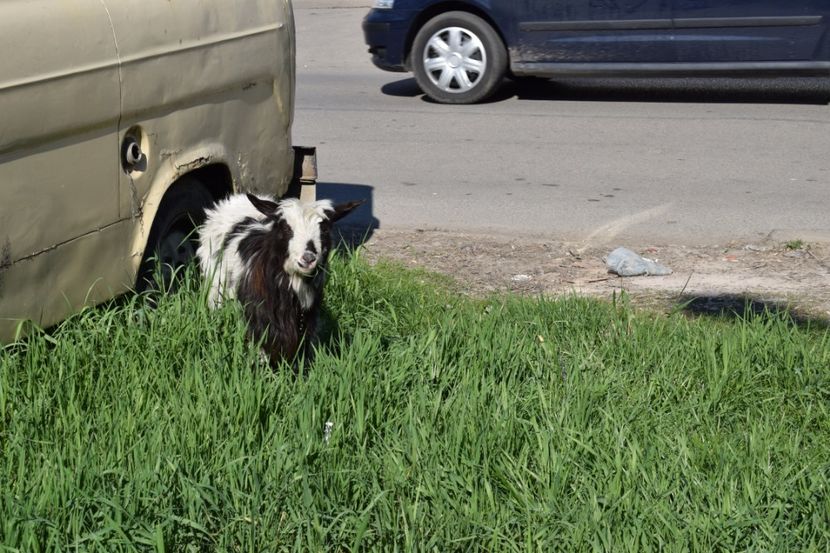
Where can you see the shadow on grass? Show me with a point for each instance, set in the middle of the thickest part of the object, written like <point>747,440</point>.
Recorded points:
<point>330,336</point>
<point>732,306</point>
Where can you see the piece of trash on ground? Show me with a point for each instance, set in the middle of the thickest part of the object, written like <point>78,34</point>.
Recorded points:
<point>625,262</point>
<point>520,278</point>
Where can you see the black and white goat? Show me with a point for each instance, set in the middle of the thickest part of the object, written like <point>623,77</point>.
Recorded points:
<point>272,257</point>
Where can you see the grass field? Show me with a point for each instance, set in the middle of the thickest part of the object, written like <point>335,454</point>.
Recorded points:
<point>504,424</point>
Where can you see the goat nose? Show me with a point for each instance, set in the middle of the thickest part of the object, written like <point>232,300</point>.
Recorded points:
<point>309,258</point>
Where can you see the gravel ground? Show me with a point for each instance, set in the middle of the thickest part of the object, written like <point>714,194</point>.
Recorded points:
<point>705,279</point>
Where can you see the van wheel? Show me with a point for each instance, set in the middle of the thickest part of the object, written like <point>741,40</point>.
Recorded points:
<point>174,236</point>
<point>458,58</point>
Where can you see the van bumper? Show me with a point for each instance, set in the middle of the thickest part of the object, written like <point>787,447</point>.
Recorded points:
<point>304,178</point>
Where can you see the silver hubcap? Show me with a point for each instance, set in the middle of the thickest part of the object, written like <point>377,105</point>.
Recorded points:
<point>454,59</point>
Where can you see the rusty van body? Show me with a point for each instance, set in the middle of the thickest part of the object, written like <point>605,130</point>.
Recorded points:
<point>120,121</point>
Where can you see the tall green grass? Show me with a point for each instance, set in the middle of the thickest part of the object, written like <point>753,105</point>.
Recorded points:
<point>507,424</point>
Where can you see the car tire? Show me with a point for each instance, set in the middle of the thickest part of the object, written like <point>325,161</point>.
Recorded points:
<point>173,237</point>
<point>458,58</point>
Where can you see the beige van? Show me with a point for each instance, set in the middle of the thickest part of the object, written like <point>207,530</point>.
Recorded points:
<point>120,120</point>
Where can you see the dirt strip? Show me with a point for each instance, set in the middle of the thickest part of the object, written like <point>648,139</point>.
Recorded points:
<point>711,278</point>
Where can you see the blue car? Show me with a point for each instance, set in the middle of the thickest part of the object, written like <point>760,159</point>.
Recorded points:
<point>460,50</point>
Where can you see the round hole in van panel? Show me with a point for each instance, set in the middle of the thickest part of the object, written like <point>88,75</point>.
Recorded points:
<point>134,147</point>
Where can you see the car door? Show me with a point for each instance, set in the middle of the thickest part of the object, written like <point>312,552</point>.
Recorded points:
<point>588,31</point>
<point>749,30</point>
<point>59,108</point>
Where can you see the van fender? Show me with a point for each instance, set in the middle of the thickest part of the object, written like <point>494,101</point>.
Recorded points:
<point>172,166</point>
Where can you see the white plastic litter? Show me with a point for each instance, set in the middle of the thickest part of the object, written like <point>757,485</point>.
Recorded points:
<point>625,262</point>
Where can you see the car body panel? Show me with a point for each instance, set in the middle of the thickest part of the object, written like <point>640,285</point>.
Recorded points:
<point>45,288</point>
<point>200,82</point>
<point>598,31</point>
<point>722,30</point>
<point>629,37</point>
<point>39,149</point>
<point>212,70</point>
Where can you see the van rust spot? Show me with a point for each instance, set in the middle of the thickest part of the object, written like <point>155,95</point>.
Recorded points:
<point>165,153</point>
<point>135,202</point>
<point>5,261</point>
<point>195,164</point>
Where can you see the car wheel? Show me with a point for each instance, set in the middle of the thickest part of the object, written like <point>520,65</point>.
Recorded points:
<point>173,237</point>
<point>458,58</point>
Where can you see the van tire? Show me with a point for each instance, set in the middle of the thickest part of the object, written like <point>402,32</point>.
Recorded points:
<point>174,235</point>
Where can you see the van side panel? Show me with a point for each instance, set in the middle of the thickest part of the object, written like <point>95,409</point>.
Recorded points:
<point>58,156</point>
<point>207,82</point>
<point>59,107</point>
<point>51,286</point>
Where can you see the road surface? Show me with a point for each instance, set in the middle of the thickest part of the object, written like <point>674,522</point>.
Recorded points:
<point>593,163</point>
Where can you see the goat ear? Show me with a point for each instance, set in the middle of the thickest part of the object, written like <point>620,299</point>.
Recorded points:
<point>266,207</point>
<point>341,210</point>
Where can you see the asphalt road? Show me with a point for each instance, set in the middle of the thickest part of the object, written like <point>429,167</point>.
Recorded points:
<point>620,161</point>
